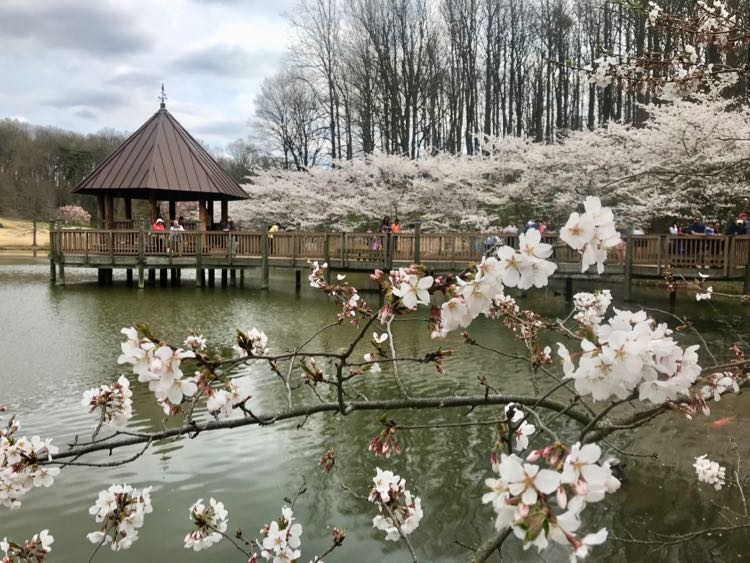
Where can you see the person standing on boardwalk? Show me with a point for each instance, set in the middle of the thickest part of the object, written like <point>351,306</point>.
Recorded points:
<point>159,228</point>
<point>175,236</point>
<point>275,228</point>
<point>385,225</point>
<point>395,230</point>
<point>228,228</point>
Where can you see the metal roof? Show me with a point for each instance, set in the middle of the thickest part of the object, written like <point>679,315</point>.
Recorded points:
<point>164,160</point>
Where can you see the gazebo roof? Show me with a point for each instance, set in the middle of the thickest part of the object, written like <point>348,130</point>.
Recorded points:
<point>161,159</point>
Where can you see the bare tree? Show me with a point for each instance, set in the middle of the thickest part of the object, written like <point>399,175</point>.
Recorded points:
<point>289,118</point>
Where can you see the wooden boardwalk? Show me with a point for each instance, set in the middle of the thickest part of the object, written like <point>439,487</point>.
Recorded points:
<point>145,252</point>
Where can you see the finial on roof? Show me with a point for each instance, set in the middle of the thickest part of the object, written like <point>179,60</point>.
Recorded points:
<point>162,97</point>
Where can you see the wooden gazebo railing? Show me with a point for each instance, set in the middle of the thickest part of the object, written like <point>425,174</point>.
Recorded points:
<point>651,253</point>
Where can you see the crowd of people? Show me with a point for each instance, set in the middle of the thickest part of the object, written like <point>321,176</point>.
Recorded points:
<point>699,226</point>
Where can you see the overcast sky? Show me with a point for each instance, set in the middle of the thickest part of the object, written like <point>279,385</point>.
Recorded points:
<point>89,64</point>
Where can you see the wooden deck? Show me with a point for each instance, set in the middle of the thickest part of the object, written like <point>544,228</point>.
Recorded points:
<point>650,255</point>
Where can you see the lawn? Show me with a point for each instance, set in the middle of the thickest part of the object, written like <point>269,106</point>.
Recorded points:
<point>17,234</point>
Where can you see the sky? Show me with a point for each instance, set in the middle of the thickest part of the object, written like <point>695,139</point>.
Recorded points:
<point>86,65</point>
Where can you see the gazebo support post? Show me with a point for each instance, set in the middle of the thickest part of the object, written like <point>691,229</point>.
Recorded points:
<point>109,211</point>
<point>202,216</point>
<point>52,252</point>
<point>141,256</point>
<point>153,207</point>
<point>162,277</point>
<point>172,211</point>
<point>233,277</point>
<point>199,276</point>
<point>129,210</point>
<point>211,277</point>
<point>100,210</point>
<point>224,212</point>
<point>223,277</point>
<point>129,276</point>
<point>210,215</point>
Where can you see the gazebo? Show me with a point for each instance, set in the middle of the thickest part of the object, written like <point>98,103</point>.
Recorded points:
<point>160,162</point>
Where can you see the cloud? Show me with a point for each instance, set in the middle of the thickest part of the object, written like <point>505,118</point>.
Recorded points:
<point>136,79</point>
<point>228,129</point>
<point>85,113</point>
<point>91,98</point>
<point>257,7</point>
<point>92,27</point>
<point>226,60</point>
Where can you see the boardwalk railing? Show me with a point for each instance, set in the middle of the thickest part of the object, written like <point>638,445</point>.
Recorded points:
<point>651,254</point>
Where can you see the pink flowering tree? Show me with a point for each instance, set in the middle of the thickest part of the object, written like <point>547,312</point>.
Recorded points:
<point>73,215</point>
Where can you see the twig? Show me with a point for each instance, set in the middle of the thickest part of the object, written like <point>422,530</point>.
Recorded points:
<point>394,364</point>
<point>488,547</point>
<point>404,537</point>
<point>346,487</point>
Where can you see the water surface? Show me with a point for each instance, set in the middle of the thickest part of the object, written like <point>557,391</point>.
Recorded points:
<point>57,342</point>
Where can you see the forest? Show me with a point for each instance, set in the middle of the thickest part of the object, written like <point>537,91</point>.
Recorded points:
<point>40,165</point>
<point>417,77</point>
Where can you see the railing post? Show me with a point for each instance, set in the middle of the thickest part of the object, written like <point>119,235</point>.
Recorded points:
<point>141,256</point>
<point>343,250</point>
<point>34,247</point>
<point>60,256</point>
<point>327,258</point>
<point>732,265</point>
<point>264,258</point>
<point>52,250</point>
<point>199,258</point>
<point>660,243</point>
<point>111,247</point>
<point>388,251</point>
<point>725,265</point>
<point>628,286</point>
<point>417,242</point>
<point>746,284</point>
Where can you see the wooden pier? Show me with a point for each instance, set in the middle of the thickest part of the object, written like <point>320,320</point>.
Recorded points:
<point>142,253</point>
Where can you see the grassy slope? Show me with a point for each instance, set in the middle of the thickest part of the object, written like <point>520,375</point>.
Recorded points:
<point>17,234</point>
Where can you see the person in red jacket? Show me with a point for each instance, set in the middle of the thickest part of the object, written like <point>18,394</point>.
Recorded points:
<point>159,226</point>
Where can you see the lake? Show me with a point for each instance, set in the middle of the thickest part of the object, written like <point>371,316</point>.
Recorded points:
<point>58,342</point>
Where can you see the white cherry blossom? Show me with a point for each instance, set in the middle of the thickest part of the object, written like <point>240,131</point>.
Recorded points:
<point>209,521</point>
<point>526,479</point>
<point>120,510</point>
<point>413,291</point>
<point>710,472</point>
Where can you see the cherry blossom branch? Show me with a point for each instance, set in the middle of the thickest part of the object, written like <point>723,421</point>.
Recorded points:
<point>683,538</point>
<point>397,525</point>
<point>195,428</point>
<point>394,364</point>
<point>489,546</point>
<point>229,538</point>
<point>105,464</point>
<point>696,332</point>
<point>737,477</point>
<point>604,412</point>
<point>346,487</point>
